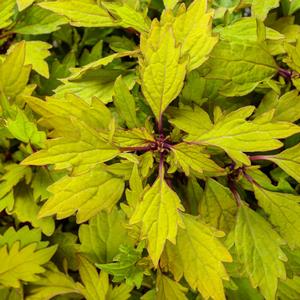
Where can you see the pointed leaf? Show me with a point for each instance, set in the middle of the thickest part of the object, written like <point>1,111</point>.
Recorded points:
<point>86,194</point>
<point>162,71</point>
<point>159,214</point>
<point>261,8</point>
<point>283,210</point>
<point>258,248</point>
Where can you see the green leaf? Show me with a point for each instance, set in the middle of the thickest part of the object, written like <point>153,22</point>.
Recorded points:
<point>36,20</point>
<point>52,283</point>
<point>81,13</point>
<point>26,210</point>
<point>167,289</point>
<point>260,9</point>
<point>162,71</point>
<point>217,206</point>
<point>241,65</point>
<point>129,17</point>
<point>13,74</point>
<point>6,12</point>
<point>102,237</point>
<point>126,266</point>
<point>198,255</point>
<point>194,157</point>
<point>258,249</point>
<point>22,263</point>
<point>25,130</point>
<point>159,214</point>
<point>125,103</point>
<point>86,194</point>
<point>283,210</point>
<point>289,161</point>
<point>193,30</point>
<point>235,135</point>
<point>87,148</point>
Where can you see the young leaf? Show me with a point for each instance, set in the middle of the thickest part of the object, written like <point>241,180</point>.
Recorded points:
<point>86,194</point>
<point>162,71</point>
<point>193,30</point>
<point>22,263</point>
<point>103,236</point>
<point>258,248</point>
<point>159,214</point>
<point>283,210</point>
<point>217,206</point>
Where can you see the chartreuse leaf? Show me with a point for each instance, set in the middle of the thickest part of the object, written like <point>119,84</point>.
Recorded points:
<point>258,249</point>
<point>289,161</point>
<point>162,71</point>
<point>242,65</point>
<point>159,214</point>
<point>53,283</point>
<point>129,17</point>
<point>194,157</point>
<point>86,194</point>
<point>289,289</point>
<point>260,9</point>
<point>97,286</point>
<point>193,30</point>
<point>13,175</point>
<point>81,13</point>
<point>26,210</point>
<point>235,135</point>
<point>87,148</point>
<point>56,113</point>
<point>14,74</point>
<point>187,119</point>
<point>22,263</point>
<point>25,130</point>
<point>169,4</point>
<point>125,103</point>
<point>167,289</point>
<point>36,20</point>
<point>198,255</point>
<point>6,12</point>
<point>102,237</point>
<point>283,210</point>
<point>217,206</point>
<point>22,4</point>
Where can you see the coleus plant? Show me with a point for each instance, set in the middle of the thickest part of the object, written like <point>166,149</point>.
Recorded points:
<point>149,149</point>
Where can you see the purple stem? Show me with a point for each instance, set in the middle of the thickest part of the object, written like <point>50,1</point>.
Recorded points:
<point>285,73</point>
<point>235,192</point>
<point>260,157</point>
<point>161,165</point>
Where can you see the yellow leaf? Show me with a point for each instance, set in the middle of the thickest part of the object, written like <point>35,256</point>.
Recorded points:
<point>22,4</point>
<point>159,214</point>
<point>162,71</point>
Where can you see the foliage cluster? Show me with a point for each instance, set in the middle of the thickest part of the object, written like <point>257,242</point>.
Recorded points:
<point>150,149</point>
